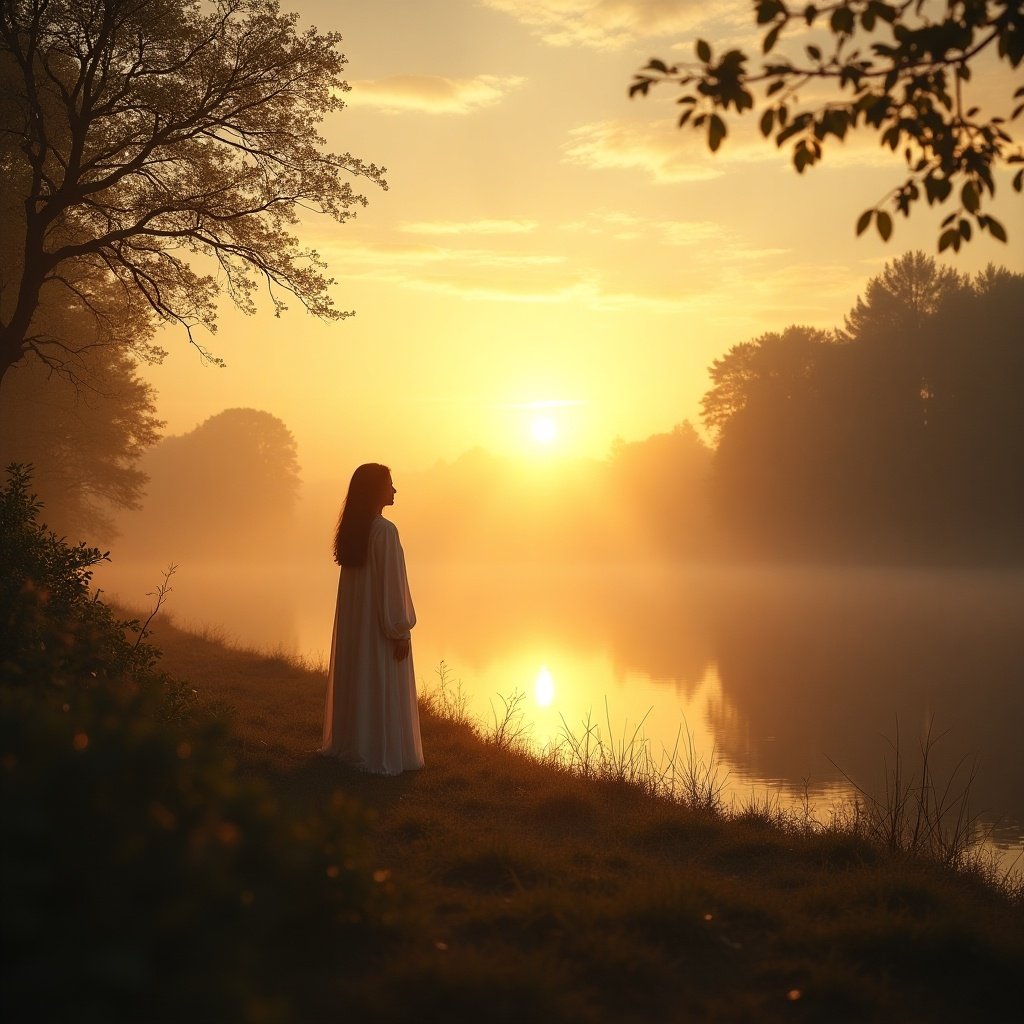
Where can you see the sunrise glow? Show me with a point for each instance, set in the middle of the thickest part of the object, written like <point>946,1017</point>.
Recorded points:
<point>544,687</point>
<point>544,430</point>
<point>518,303</point>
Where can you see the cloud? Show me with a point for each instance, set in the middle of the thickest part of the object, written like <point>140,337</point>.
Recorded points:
<point>667,155</point>
<point>671,155</point>
<point>627,227</point>
<point>470,227</point>
<point>491,275</point>
<point>609,24</point>
<point>431,94</point>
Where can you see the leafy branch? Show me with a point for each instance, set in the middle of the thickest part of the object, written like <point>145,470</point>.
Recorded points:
<point>900,74</point>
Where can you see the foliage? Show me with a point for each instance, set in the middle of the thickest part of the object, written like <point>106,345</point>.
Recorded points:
<point>134,857</point>
<point>52,631</point>
<point>898,436</point>
<point>229,486</point>
<point>82,437</point>
<point>900,70</point>
<point>142,136</point>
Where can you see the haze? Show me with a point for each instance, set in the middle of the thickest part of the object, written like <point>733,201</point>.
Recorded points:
<point>546,248</point>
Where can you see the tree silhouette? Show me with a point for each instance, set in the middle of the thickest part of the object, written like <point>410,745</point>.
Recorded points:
<point>226,488</point>
<point>901,436</point>
<point>83,442</point>
<point>660,485</point>
<point>900,70</point>
<point>144,138</point>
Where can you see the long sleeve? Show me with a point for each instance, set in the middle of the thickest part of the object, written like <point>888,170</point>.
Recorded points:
<point>395,611</point>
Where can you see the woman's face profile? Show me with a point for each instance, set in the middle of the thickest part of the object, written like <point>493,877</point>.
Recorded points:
<point>389,491</point>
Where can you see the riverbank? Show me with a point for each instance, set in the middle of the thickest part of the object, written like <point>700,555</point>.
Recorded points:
<point>525,890</point>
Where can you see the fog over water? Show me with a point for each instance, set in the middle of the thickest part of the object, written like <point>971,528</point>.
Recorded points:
<point>790,675</point>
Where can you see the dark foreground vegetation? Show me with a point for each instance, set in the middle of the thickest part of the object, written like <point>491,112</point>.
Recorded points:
<point>177,851</point>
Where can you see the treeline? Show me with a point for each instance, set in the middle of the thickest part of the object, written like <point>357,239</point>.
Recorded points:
<point>225,490</point>
<point>648,499</point>
<point>899,436</point>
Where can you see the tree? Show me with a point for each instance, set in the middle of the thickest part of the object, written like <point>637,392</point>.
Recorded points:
<point>227,487</point>
<point>660,484</point>
<point>83,417</point>
<point>142,139</point>
<point>900,436</point>
<point>899,69</point>
<point>83,441</point>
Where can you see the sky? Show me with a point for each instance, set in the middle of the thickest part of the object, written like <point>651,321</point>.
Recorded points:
<point>553,265</point>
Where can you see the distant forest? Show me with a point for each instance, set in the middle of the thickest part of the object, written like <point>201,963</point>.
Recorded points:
<point>898,437</point>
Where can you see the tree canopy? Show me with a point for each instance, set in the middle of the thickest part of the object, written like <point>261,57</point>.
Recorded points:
<point>229,486</point>
<point>901,435</point>
<point>901,70</point>
<point>164,146</point>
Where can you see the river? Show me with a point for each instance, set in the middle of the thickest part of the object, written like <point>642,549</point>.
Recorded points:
<point>798,682</point>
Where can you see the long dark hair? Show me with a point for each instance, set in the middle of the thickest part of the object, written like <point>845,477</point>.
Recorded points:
<point>362,504</point>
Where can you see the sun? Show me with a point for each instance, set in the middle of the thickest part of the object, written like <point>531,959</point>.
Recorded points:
<point>544,430</point>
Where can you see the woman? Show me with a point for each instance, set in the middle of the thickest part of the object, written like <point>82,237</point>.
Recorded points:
<point>372,721</point>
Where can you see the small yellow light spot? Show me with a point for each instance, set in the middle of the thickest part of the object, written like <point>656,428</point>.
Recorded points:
<point>793,994</point>
<point>81,741</point>
<point>707,917</point>
<point>184,750</point>
<point>332,871</point>
<point>381,875</point>
<point>443,946</point>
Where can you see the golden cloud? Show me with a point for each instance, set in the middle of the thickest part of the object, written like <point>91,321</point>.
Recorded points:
<point>431,94</point>
<point>609,24</point>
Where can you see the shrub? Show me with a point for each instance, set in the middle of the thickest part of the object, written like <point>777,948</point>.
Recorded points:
<point>140,878</point>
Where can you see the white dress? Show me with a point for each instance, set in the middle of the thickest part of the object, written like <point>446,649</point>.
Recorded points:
<point>371,720</point>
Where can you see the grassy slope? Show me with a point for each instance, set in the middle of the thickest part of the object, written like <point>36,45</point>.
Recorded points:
<point>526,891</point>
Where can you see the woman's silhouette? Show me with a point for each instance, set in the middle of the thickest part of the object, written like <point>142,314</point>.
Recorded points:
<point>372,721</point>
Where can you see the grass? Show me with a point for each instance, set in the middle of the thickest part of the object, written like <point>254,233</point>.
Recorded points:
<point>596,883</point>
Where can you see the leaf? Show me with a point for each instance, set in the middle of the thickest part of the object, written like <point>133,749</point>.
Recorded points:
<point>950,237</point>
<point>969,197</point>
<point>775,87</point>
<point>657,65</point>
<point>863,221</point>
<point>814,53</point>
<point>716,132</point>
<point>996,230</point>
<point>1018,181</point>
<point>770,39</point>
<point>703,51</point>
<point>768,122</point>
<point>884,224</point>
<point>842,21</point>
<point>965,229</point>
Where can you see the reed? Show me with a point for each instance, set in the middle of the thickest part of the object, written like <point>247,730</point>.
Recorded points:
<point>918,813</point>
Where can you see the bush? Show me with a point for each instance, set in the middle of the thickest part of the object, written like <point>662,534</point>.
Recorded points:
<point>51,630</point>
<point>140,878</point>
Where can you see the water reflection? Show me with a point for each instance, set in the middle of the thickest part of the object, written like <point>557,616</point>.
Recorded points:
<point>789,675</point>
